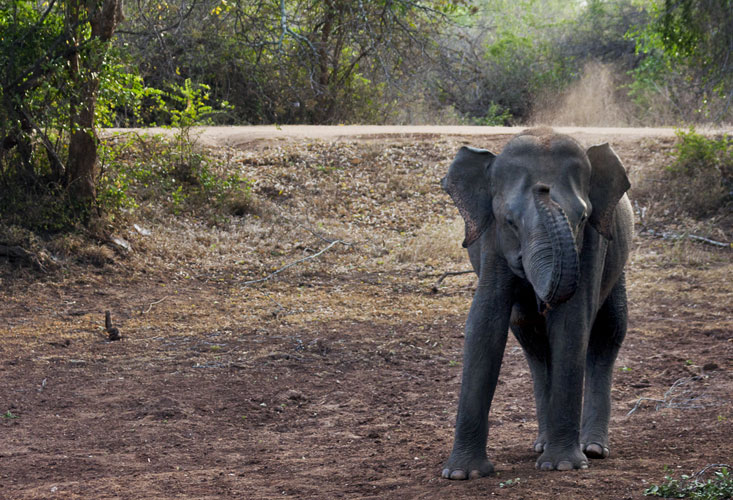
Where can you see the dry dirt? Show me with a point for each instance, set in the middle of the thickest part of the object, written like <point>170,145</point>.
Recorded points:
<point>338,377</point>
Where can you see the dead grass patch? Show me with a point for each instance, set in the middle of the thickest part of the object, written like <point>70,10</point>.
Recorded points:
<point>434,244</point>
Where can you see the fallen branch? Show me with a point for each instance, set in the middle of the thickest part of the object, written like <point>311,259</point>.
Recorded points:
<point>674,398</point>
<point>708,467</point>
<point>308,228</point>
<point>445,275</point>
<point>146,311</point>
<point>278,271</point>
<point>670,235</point>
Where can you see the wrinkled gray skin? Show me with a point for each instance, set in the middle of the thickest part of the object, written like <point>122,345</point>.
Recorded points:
<point>548,231</point>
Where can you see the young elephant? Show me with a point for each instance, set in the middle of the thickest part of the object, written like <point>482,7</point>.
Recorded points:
<point>548,231</point>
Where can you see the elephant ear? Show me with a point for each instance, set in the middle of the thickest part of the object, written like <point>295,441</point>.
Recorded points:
<point>468,185</point>
<point>608,183</point>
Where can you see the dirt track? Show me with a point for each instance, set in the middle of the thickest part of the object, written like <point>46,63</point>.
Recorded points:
<point>242,136</point>
<point>339,378</point>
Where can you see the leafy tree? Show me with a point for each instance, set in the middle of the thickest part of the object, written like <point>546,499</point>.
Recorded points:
<point>502,55</point>
<point>51,56</point>
<point>688,51</point>
<point>285,61</point>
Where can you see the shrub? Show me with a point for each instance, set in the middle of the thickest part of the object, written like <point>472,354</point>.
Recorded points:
<point>702,172</point>
<point>719,487</point>
<point>174,174</point>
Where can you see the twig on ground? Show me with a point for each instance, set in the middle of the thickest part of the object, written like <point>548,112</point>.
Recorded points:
<point>280,307</point>
<point>445,275</point>
<point>150,306</point>
<point>670,235</point>
<point>710,466</point>
<point>278,271</point>
<point>308,227</point>
<point>675,399</point>
<point>112,331</point>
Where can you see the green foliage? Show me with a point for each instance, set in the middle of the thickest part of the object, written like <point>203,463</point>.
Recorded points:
<point>719,487</point>
<point>686,48</point>
<point>124,100</point>
<point>509,482</point>
<point>175,171</point>
<point>695,153</point>
<point>701,172</point>
<point>50,61</point>
<point>188,104</point>
<point>515,55</point>
<point>495,116</point>
<point>149,170</point>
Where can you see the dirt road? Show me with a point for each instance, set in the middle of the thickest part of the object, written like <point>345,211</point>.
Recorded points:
<point>239,136</point>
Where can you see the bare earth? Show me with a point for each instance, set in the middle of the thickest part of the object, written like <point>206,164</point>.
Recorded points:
<point>338,377</point>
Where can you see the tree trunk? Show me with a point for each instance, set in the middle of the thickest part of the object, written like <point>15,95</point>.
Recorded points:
<point>82,167</point>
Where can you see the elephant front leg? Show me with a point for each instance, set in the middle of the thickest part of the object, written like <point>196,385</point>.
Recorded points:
<point>562,450</point>
<point>609,330</point>
<point>486,335</point>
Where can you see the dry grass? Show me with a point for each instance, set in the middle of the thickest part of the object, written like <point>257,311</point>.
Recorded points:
<point>434,243</point>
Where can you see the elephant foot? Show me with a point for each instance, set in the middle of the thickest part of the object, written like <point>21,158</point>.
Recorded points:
<point>460,468</point>
<point>562,459</point>
<point>595,450</point>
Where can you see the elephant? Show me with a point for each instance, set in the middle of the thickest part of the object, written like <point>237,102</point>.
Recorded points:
<point>548,230</point>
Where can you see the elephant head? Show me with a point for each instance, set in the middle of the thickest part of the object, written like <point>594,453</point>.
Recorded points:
<point>539,196</point>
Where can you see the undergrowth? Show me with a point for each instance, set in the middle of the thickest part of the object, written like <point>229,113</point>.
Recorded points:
<point>717,487</point>
<point>152,170</point>
<point>689,187</point>
<point>702,172</point>
<point>140,177</point>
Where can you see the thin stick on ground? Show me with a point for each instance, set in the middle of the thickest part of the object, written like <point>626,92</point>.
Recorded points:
<point>278,271</point>
<point>146,311</point>
<point>445,275</point>
<point>308,227</point>
<point>670,235</point>
<point>280,307</point>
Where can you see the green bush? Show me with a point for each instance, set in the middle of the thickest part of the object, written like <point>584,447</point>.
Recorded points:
<point>719,487</point>
<point>167,173</point>
<point>701,172</point>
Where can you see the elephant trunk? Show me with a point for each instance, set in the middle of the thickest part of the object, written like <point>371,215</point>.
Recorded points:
<point>551,262</point>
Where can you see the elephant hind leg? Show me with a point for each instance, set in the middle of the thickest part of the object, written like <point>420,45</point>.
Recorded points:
<point>607,334</point>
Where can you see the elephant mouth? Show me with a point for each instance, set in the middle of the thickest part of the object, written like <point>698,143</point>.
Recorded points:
<point>517,267</point>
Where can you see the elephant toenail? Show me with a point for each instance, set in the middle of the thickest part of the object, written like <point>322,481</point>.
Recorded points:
<point>565,465</point>
<point>458,475</point>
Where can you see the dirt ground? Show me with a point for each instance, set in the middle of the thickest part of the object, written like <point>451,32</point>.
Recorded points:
<point>339,376</point>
